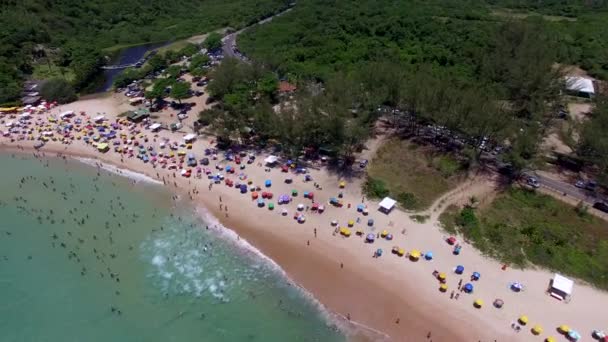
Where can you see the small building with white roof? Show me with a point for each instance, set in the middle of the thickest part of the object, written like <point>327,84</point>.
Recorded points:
<point>561,287</point>
<point>580,86</point>
<point>387,204</point>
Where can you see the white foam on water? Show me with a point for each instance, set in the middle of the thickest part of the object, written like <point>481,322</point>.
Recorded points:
<point>230,235</point>
<point>136,176</point>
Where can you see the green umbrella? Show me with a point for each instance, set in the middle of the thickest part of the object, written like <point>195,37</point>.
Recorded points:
<point>270,206</point>
<point>294,192</point>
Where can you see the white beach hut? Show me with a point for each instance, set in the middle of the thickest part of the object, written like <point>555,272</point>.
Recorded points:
<point>189,137</point>
<point>561,287</point>
<point>387,204</point>
<point>271,160</point>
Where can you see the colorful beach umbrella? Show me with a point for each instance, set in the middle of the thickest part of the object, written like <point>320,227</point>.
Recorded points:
<point>478,303</point>
<point>468,287</point>
<point>428,255</point>
<point>523,320</point>
<point>415,254</point>
<point>370,237</point>
<point>442,276</point>
<point>476,276</point>
<point>459,269</point>
<point>564,329</point>
<point>443,287</point>
<point>550,339</point>
<point>537,329</point>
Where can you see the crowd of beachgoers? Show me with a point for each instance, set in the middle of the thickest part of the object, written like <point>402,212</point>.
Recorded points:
<point>451,288</point>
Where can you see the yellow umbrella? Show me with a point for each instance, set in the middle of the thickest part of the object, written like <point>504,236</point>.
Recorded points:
<point>443,288</point>
<point>523,319</point>
<point>342,184</point>
<point>537,330</point>
<point>442,276</point>
<point>478,303</point>
<point>384,233</point>
<point>564,328</point>
<point>550,339</point>
<point>400,252</point>
<point>351,223</point>
<point>415,254</point>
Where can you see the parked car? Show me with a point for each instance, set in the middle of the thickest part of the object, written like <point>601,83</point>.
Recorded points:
<point>601,206</point>
<point>580,184</point>
<point>533,182</point>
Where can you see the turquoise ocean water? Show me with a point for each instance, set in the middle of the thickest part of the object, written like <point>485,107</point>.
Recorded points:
<point>89,256</point>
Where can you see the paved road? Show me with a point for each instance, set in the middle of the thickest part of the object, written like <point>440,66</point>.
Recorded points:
<point>229,48</point>
<point>566,188</point>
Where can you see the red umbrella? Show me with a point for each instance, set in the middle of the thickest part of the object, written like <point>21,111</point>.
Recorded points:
<point>451,240</point>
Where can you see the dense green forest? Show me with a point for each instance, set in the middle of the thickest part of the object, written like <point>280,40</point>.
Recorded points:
<point>320,37</point>
<point>72,34</point>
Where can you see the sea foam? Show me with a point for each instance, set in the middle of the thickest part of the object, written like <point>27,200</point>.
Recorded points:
<point>119,171</point>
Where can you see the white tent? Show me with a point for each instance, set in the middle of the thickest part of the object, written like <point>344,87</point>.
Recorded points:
<point>190,137</point>
<point>561,287</point>
<point>99,118</point>
<point>580,85</point>
<point>387,204</point>
<point>155,126</point>
<point>66,114</point>
<point>271,160</point>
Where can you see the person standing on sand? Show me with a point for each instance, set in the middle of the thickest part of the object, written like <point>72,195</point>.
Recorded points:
<point>315,232</point>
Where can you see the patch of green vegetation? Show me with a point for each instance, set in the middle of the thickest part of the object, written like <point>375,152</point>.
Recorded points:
<point>414,175</point>
<point>419,218</point>
<point>375,188</point>
<point>521,226</point>
<point>43,71</point>
<point>448,219</point>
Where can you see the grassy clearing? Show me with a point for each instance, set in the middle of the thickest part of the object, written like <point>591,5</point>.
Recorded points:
<point>43,72</point>
<point>412,174</point>
<point>522,226</point>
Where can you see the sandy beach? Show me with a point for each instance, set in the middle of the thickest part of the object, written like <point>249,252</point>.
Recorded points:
<point>391,294</point>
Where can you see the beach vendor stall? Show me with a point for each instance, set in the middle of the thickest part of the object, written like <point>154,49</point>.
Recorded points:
<point>561,287</point>
<point>155,127</point>
<point>189,138</point>
<point>271,160</point>
<point>387,204</point>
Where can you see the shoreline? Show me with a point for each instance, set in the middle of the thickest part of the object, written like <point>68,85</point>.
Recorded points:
<point>391,294</point>
<point>287,255</point>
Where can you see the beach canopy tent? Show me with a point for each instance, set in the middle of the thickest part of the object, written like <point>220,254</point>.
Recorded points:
<point>103,147</point>
<point>387,204</point>
<point>189,137</point>
<point>99,118</point>
<point>580,86</point>
<point>155,127</point>
<point>561,287</point>
<point>271,160</point>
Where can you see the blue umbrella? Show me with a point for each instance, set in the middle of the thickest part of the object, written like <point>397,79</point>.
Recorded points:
<point>459,269</point>
<point>370,222</point>
<point>228,168</point>
<point>574,335</point>
<point>360,207</point>
<point>476,275</point>
<point>428,255</point>
<point>260,202</point>
<point>468,287</point>
<point>268,183</point>
<point>243,188</point>
<point>370,237</point>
